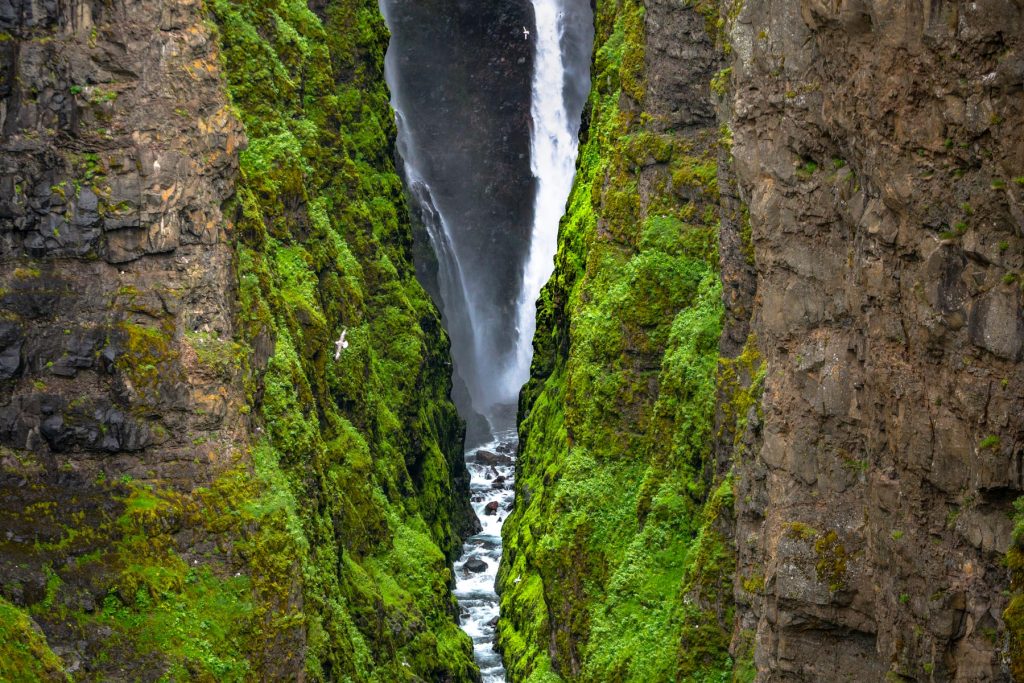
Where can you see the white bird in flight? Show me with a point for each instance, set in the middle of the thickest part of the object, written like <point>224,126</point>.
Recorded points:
<point>526,34</point>
<point>341,344</point>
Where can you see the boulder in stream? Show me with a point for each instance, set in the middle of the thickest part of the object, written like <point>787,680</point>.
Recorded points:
<point>484,457</point>
<point>475,565</point>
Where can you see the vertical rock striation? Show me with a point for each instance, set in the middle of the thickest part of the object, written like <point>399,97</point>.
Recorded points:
<point>192,485</point>
<point>118,152</point>
<point>879,148</point>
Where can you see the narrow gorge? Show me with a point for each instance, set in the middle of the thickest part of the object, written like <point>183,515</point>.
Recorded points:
<point>527,340</point>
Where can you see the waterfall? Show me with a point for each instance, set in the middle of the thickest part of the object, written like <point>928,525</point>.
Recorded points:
<point>555,141</point>
<point>487,147</point>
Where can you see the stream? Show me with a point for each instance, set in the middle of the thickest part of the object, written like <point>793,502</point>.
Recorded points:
<point>488,100</point>
<point>492,467</point>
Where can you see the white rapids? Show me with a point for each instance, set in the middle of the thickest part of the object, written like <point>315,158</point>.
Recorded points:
<point>554,145</point>
<point>478,603</point>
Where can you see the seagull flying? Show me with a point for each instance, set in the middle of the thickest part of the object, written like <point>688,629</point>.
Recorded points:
<point>341,344</point>
<point>526,34</point>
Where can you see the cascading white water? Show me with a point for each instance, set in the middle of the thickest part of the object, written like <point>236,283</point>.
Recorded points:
<point>491,325</point>
<point>555,140</point>
<point>553,161</point>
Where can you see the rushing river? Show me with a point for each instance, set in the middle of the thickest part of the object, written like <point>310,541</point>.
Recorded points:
<point>488,98</point>
<point>492,469</point>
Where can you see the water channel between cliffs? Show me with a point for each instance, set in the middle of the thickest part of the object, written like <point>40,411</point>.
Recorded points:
<point>488,98</point>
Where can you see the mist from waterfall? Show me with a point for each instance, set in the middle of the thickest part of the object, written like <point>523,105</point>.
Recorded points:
<point>560,87</point>
<point>488,99</point>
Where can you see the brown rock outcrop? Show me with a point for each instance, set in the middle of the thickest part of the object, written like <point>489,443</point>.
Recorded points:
<point>880,149</point>
<point>118,150</point>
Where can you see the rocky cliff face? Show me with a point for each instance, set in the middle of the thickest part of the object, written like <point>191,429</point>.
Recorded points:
<point>193,485</point>
<point>118,153</point>
<point>869,189</point>
<point>774,426</point>
<point>617,565</point>
<point>880,150</point>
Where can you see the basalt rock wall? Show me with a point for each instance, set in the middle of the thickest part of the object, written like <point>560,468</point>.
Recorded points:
<point>880,150</point>
<point>857,450</point>
<point>196,202</point>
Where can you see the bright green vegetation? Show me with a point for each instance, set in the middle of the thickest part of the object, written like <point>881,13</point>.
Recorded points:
<point>1014,613</point>
<point>24,655</point>
<point>316,541</point>
<point>356,463</point>
<point>616,567</point>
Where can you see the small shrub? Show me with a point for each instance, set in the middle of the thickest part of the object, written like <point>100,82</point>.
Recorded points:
<point>990,442</point>
<point>806,170</point>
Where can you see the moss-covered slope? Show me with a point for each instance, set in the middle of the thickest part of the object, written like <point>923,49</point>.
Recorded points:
<point>363,448</point>
<point>192,485</point>
<point>26,655</point>
<point>616,566</point>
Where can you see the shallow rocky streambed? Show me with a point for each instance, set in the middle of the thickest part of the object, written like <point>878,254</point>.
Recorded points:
<point>492,468</point>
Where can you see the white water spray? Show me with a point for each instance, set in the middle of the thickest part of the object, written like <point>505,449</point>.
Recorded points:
<point>555,141</point>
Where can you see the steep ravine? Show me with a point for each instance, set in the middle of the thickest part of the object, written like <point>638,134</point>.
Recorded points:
<point>195,203</point>
<point>457,76</point>
<point>773,428</point>
<point>824,491</point>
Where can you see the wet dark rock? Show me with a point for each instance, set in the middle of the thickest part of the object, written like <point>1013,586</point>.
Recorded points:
<point>11,343</point>
<point>475,565</point>
<point>491,508</point>
<point>506,448</point>
<point>491,459</point>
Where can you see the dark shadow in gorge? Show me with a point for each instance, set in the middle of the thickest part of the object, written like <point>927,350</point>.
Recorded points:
<point>461,76</point>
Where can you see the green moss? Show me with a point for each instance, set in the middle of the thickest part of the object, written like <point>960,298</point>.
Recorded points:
<point>990,442</point>
<point>25,656</point>
<point>632,73</point>
<point>26,273</point>
<point>147,356</point>
<point>355,498</point>
<point>744,670</point>
<point>740,382</point>
<point>753,584</point>
<point>720,83</point>
<point>806,169</point>
<point>831,565</point>
<point>1013,615</point>
<point>615,566</point>
<point>801,531</point>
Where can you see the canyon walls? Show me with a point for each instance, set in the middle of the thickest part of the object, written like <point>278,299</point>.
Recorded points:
<point>773,429</point>
<point>197,483</point>
<point>880,149</point>
<point>617,566</point>
<point>852,439</point>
